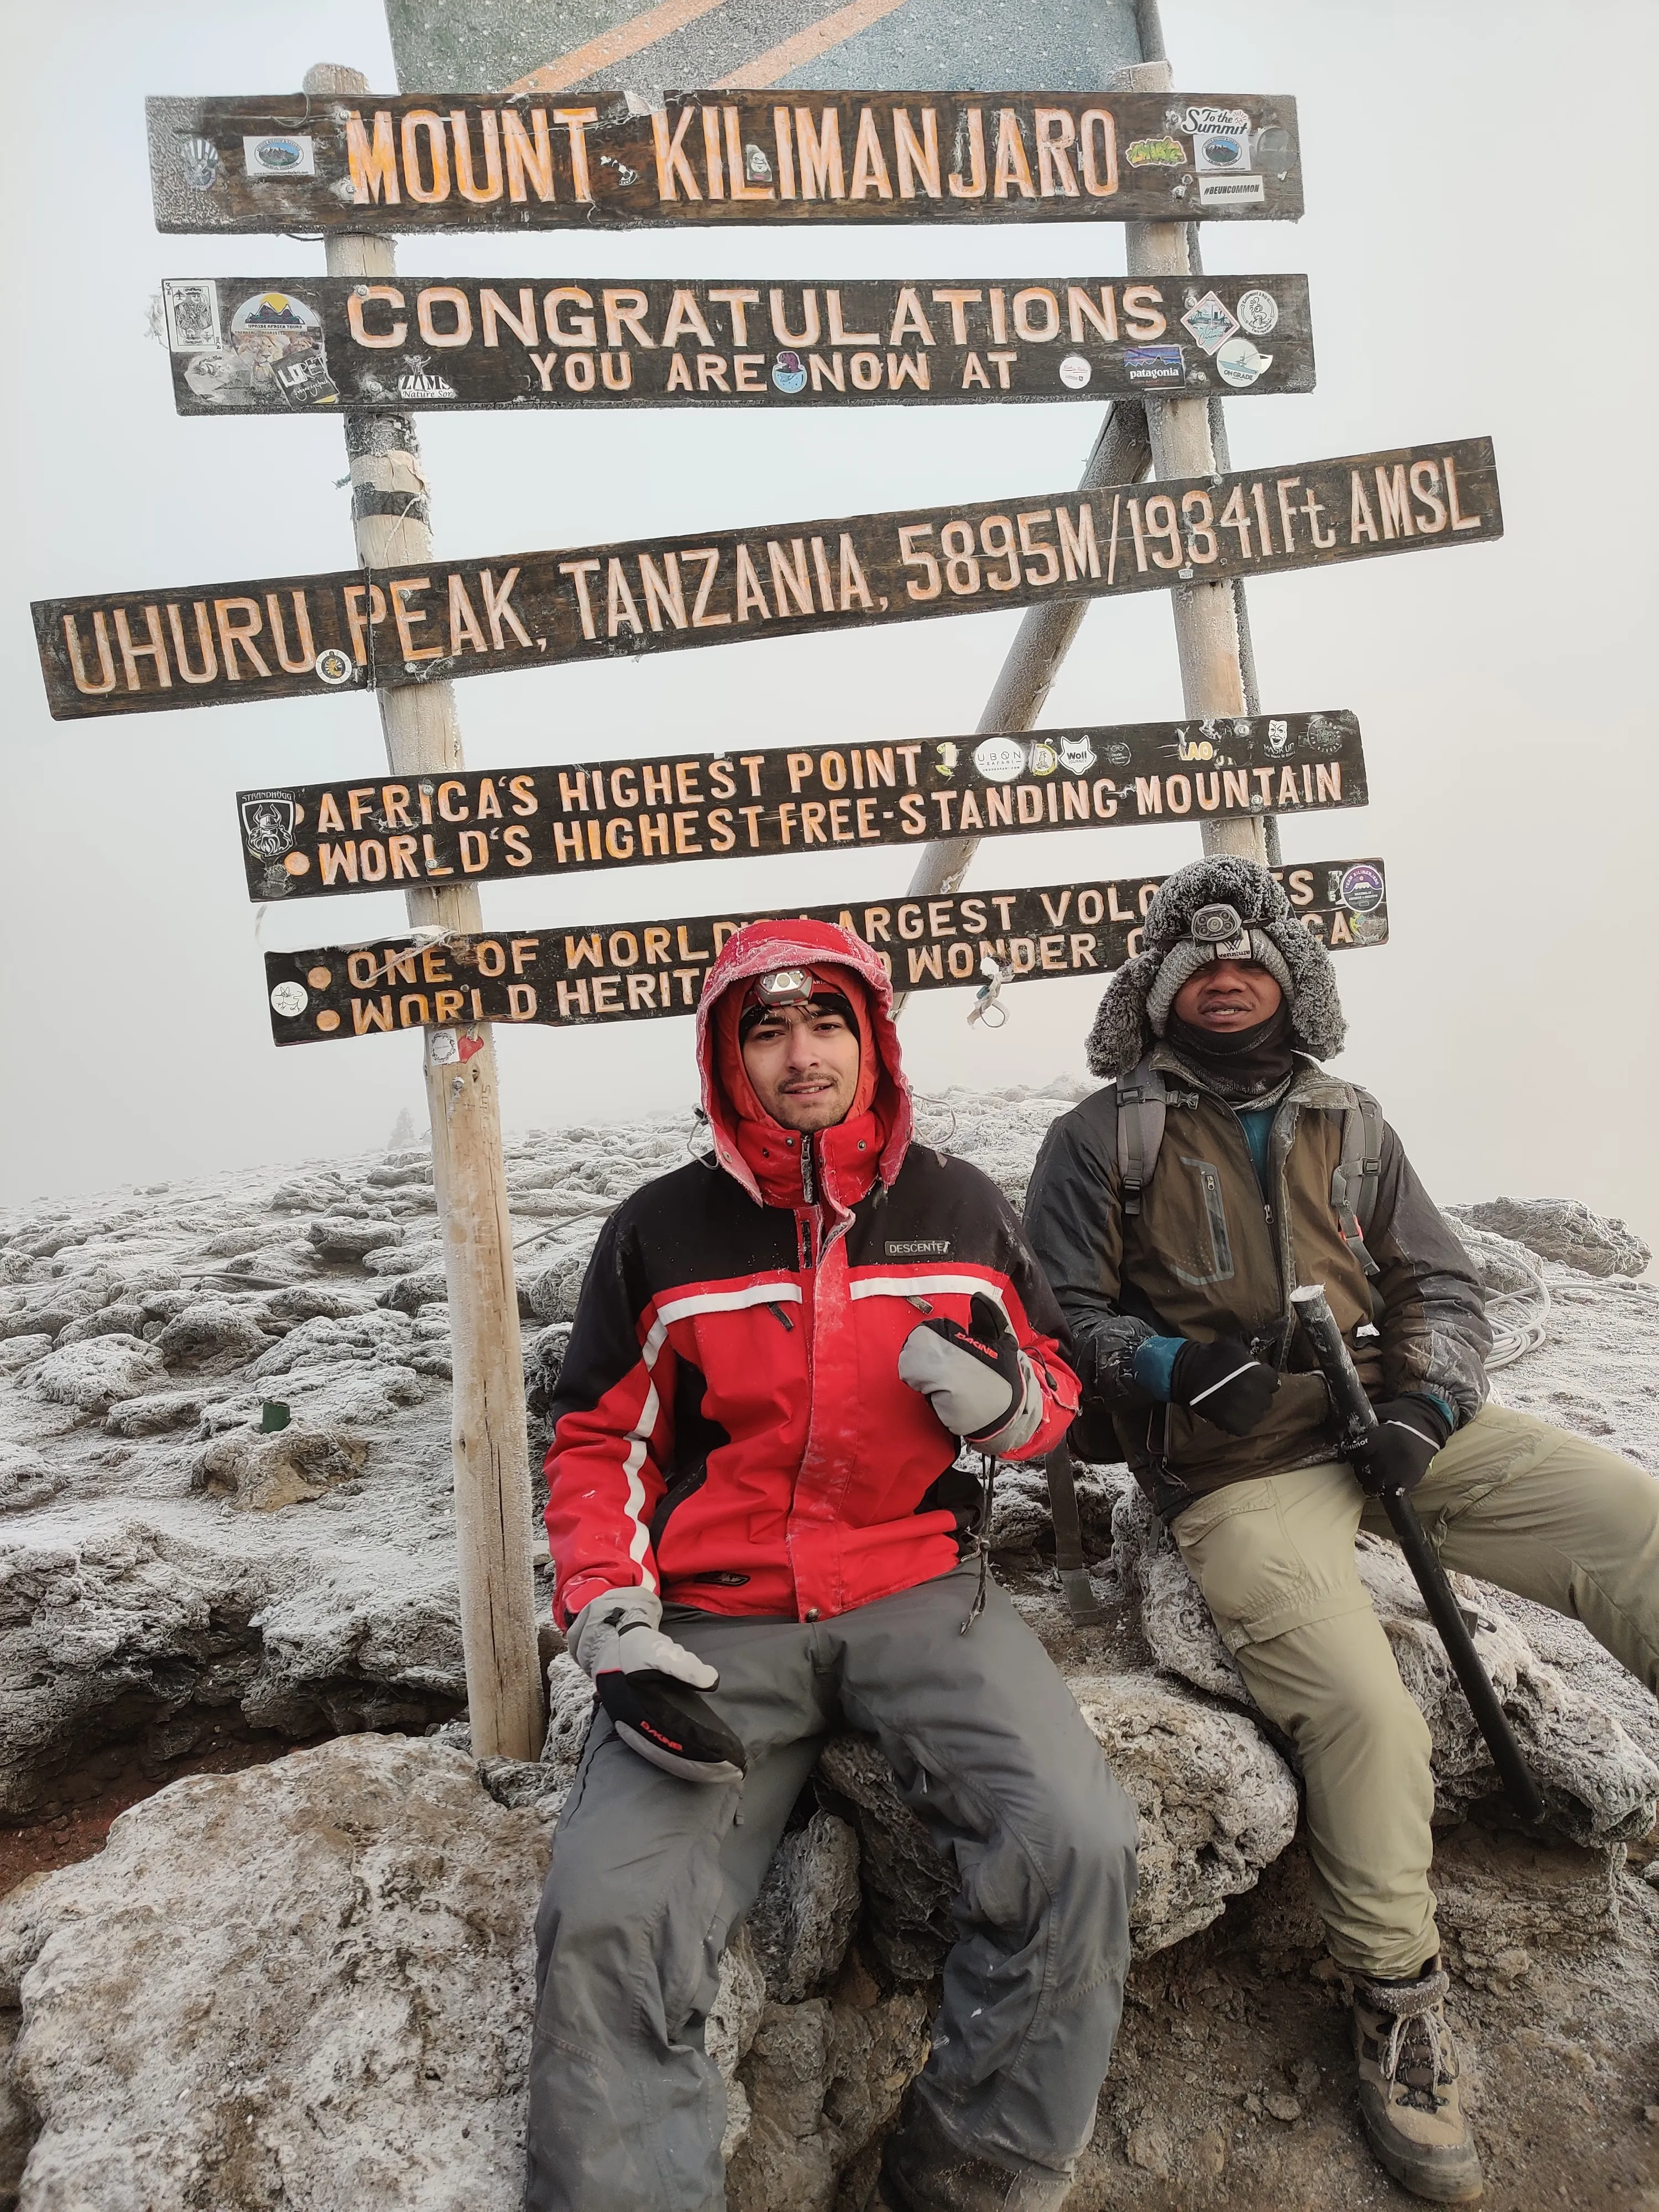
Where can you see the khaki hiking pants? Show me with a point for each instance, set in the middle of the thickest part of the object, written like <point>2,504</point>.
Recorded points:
<point>1535,1510</point>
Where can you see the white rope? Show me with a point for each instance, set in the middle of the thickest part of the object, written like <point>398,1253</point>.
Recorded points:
<point>1519,1317</point>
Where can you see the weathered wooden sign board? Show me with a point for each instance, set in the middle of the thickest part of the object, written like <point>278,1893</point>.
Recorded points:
<point>279,345</point>
<point>295,637</point>
<point>623,971</point>
<point>528,161</point>
<point>314,840</point>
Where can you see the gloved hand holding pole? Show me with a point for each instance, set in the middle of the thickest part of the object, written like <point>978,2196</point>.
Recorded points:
<point>1359,1420</point>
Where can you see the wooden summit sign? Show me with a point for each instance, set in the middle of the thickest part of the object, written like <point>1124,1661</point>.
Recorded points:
<point>294,636</point>
<point>243,345</point>
<point>633,971</point>
<point>527,161</point>
<point>313,840</point>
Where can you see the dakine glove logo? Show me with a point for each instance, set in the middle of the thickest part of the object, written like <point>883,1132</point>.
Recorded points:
<point>1223,1383</point>
<point>1409,1431</point>
<point>977,1380</point>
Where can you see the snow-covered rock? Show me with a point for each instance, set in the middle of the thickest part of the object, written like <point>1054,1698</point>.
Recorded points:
<point>259,1473</point>
<point>94,1374</point>
<point>1563,1229</point>
<point>307,1984</point>
<point>1600,1785</point>
<point>142,1334</point>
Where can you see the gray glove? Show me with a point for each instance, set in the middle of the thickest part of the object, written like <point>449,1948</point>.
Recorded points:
<point>977,1380</point>
<point>649,1685</point>
<point>620,1631</point>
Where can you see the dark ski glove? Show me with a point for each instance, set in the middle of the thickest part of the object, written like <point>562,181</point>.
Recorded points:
<point>977,1380</point>
<point>649,1685</point>
<point>1223,1383</point>
<point>1409,1431</point>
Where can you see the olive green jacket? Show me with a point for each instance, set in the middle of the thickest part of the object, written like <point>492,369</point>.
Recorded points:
<point>1211,1254</point>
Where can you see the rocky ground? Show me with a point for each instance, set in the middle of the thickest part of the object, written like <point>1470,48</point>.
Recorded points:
<point>185,1586</point>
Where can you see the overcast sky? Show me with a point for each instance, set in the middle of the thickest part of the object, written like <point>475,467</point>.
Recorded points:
<point>1479,245</point>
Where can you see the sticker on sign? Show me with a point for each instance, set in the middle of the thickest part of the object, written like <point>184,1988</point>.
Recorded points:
<point>1230,192</point>
<point>497,825</point>
<point>275,637</point>
<point>280,157</point>
<point>642,970</point>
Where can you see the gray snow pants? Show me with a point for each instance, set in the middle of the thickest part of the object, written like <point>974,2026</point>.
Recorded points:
<point>650,1874</point>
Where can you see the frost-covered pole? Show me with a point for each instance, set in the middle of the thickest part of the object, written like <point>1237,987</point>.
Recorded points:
<point>1041,643</point>
<point>1207,623</point>
<point>1121,455</point>
<point>492,1472</point>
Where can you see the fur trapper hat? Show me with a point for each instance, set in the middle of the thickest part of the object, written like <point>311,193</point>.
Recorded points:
<point>1137,998</point>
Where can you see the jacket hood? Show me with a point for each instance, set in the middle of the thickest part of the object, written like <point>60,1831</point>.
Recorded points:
<point>1122,1031</point>
<point>755,949</point>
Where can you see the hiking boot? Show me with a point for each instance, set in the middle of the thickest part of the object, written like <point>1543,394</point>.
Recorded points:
<point>1408,2096</point>
<point>922,2171</point>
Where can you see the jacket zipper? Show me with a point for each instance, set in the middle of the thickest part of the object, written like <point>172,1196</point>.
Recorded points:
<point>1277,1242</point>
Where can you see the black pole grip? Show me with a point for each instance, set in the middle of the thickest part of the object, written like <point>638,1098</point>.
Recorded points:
<point>1355,1411</point>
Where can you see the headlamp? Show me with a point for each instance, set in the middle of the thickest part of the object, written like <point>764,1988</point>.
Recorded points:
<point>784,987</point>
<point>1220,932</point>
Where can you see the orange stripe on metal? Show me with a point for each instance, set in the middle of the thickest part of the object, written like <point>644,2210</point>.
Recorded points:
<point>832,30</point>
<point>615,45</point>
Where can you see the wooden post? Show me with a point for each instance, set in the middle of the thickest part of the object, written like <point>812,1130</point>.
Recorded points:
<point>1206,615</point>
<point>491,1452</point>
<point>1041,643</point>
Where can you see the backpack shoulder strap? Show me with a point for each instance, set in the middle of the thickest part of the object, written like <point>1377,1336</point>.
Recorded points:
<point>1081,1602</point>
<point>1140,1113</point>
<point>1354,1180</point>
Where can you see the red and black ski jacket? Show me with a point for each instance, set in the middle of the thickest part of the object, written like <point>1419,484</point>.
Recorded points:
<point>730,1427</point>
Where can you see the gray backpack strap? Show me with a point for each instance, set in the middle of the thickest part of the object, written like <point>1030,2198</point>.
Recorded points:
<point>1140,1111</point>
<point>1354,1180</point>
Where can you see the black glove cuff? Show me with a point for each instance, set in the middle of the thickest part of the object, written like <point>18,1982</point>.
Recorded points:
<point>1423,1412</point>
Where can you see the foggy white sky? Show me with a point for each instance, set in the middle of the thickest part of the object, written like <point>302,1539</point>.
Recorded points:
<point>1480,244</point>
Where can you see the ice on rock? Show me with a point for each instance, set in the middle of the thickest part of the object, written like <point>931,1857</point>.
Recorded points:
<point>142,1334</point>
<point>94,1374</point>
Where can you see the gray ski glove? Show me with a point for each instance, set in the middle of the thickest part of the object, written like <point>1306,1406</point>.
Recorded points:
<point>649,1685</point>
<point>622,1629</point>
<point>977,1380</point>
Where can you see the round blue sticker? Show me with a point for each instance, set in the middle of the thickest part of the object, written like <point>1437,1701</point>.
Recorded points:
<point>788,373</point>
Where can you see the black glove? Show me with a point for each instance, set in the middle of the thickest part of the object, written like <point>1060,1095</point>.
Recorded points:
<point>976,1379</point>
<point>650,1685</point>
<point>1409,1431</point>
<point>1223,1383</point>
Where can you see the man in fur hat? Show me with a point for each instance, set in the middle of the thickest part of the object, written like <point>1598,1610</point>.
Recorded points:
<point>1174,1211</point>
<point>761,1536</point>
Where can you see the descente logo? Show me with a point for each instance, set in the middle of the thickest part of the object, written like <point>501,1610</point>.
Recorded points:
<point>919,1247</point>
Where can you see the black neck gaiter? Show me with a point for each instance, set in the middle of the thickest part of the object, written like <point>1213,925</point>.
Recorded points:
<point>1245,1065</point>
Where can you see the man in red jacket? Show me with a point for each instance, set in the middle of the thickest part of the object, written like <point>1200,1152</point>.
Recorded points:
<point>760,1532</point>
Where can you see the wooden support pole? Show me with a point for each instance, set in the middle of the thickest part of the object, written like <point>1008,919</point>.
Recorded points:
<point>1042,640</point>
<point>1206,615</point>
<point>491,1452</point>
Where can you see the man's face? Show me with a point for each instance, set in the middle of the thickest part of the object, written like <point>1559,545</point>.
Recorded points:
<point>804,1064</point>
<point>1227,995</point>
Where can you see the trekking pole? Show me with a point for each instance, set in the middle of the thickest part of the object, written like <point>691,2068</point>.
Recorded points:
<point>1358,1421</point>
